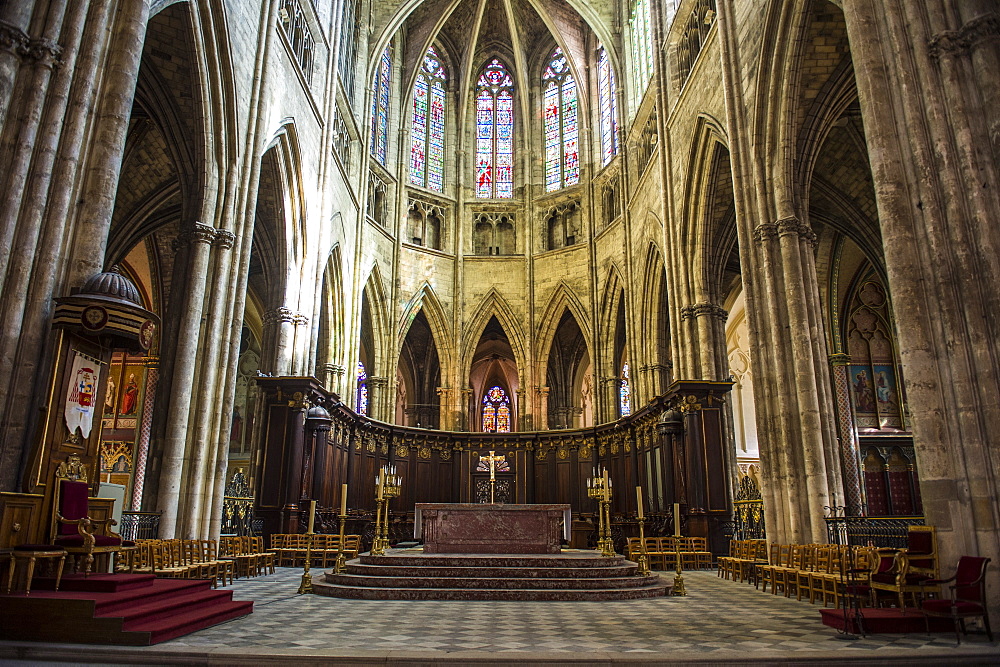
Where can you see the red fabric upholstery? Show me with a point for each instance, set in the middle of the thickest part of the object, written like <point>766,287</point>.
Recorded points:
<point>944,607</point>
<point>77,541</point>
<point>920,542</point>
<point>72,504</point>
<point>969,570</point>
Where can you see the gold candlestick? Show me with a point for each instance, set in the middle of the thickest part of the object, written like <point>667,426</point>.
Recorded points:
<point>341,563</point>
<point>388,486</point>
<point>679,577</point>
<point>306,585</point>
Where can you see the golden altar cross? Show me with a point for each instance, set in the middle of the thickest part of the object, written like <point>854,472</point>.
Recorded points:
<point>492,460</point>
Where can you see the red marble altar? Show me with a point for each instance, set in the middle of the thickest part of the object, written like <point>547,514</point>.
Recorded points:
<point>475,528</point>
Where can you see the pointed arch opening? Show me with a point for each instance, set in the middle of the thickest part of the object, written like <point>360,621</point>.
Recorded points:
<point>419,376</point>
<point>568,364</point>
<point>493,366</point>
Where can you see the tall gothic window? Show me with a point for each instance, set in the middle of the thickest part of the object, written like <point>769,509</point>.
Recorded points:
<point>362,402</point>
<point>348,46</point>
<point>562,155</point>
<point>380,106</point>
<point>495,133</point>
<point>625,393</point>
<point>608,98</point>
<point>496,411</point>
<point>427,149</point>
<point>642,45</point>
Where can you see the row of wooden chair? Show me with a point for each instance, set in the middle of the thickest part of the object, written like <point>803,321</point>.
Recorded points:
<point>816,571</point>
<point>248,554</point>
<point>663,552</point>
<point>291,548</point>
<point>743,556</point>
<point>184,559</point>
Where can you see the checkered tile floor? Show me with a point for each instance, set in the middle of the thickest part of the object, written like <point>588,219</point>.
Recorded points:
<point>717,620</point>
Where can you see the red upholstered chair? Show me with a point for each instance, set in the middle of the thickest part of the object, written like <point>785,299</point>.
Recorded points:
<point>74,529</point>
<point>968,596</point>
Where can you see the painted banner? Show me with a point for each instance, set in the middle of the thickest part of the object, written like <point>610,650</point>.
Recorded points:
<point>82,393</point>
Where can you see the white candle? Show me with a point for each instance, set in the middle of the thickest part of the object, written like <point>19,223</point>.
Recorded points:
<point>638,497</point>
<point>380,484</point>
<point>312,515</point>
<point>343,499</point>
<point>677,519</point>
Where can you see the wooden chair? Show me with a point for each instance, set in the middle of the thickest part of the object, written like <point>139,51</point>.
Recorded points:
<point>968,596</point>
<point>777,556</point>
<point>901,580</point>
<point>73,528</point>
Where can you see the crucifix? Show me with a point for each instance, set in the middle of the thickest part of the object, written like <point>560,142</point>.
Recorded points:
<point>492,460</point>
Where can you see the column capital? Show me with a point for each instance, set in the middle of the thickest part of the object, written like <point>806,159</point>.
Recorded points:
<point>12,39</point>
<point>300,320</point>
<point>224,239</point>
<point>704,309</point>
<point>953,42</point>
<point>839,359</point>
<point>199,232</point>
<point>279,314</point>
<point>43,51</point>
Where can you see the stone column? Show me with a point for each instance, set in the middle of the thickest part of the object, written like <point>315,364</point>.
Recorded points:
<point>377,397</point>
<point>927,84</point>
<point>208,434</point>
<point>543,408</point>
<point>198,239</point>
<point>107,147</point>
<point>300,348</point>
<point>14,20</point>
<point>279,335</point>
<point>611,387</point>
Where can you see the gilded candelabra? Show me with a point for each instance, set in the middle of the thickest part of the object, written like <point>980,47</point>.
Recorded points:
<point>599,487</point>
<point>387,487</point>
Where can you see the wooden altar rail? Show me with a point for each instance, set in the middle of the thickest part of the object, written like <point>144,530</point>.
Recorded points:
<point>685,460</point>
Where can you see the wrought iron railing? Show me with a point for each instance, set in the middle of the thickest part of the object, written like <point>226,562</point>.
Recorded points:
<point>237,516</point>
<point>139,525</point>
<point>877,531</point>
<point>748,520</point>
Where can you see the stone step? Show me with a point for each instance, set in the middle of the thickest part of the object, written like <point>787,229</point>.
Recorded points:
<point>489,582</point>
<point>419,569</point>
<point>573,559</point>
<point>496,594</point>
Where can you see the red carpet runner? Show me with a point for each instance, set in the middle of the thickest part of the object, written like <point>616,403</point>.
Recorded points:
<point>878,621</point>
<point>128,609</point>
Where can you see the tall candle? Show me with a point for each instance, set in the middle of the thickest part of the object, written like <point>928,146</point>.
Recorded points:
<point>638,497</point>
<point>343,500</point>
<point>379,485</point>
<point>607,486</point>
<point>312,515</point>
<point>677,519</point>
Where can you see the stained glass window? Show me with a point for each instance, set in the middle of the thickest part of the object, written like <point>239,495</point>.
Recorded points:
<point>559,99</point>
<point>380,106</point>
<point>642,45</point>
<point>625,393</point>
<point>496,411</point>
<point>362,402</point>
<point>495,133</point>
<point>427,147</point>
<point>608,97</point>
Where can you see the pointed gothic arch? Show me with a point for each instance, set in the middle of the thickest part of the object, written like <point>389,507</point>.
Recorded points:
<point>493,304</point>
<point>425,299</point>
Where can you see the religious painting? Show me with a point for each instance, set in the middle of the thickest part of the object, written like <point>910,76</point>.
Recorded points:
<point>130,396</point>
<point>886,395</point>
<point>116,462</point>
<point>863,395</point>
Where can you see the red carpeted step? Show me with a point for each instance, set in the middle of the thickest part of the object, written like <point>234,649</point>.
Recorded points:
<point>158,590</point>
<point>104,583</point>
<point>156,610</point>
<point>191,621</point>
<point>419,580</point>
